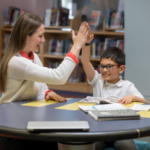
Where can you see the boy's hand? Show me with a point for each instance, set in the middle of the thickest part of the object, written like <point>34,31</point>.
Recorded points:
<point>126,100</point>
<point>54,96</point>
<point>90,37</point>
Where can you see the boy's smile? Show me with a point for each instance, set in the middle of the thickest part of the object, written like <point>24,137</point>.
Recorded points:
<point>110,70</point>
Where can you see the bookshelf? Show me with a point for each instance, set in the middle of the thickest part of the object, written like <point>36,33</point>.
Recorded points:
<point>56,32</point>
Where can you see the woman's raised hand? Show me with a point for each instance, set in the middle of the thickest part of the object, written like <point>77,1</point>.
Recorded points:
<point>81,38</point>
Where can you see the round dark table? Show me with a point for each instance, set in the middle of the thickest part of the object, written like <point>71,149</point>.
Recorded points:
<point>14,118</point>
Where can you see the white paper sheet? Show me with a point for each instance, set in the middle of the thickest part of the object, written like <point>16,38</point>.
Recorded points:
<point>116,106</point>
<point>140,107</point>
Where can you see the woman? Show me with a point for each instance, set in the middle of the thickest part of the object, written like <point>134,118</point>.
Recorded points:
<point>22,74</point>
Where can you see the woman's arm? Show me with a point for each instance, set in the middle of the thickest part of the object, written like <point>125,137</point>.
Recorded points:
<point>21,68</point>
<point>80,39</point>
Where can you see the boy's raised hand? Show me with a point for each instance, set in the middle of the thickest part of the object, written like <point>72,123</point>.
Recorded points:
<point>81,38</point>
<point>90,36</point>
<point>126,100</point>
<point>54,96</point>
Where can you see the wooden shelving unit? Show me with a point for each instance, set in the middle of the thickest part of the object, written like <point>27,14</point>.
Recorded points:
<point>71,86</point>
<point>54,32</point>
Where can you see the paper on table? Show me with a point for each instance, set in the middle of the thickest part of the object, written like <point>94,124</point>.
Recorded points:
<point>116,106</point>
<point>41,103</point>
<point>73,106</point>
<point>86,108</point>
<point>140,107</point>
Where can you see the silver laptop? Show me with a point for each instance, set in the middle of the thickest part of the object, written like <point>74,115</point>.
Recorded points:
<point>40,126</point>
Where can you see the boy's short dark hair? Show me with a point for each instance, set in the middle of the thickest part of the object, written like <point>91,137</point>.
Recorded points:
<point>115,54</point>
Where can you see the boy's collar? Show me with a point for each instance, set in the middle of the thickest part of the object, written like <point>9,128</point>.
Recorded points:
<point>30,56</point>
<point>118,84</point>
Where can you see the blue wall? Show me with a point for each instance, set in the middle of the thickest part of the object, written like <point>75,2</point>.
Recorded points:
<point>137,44</point>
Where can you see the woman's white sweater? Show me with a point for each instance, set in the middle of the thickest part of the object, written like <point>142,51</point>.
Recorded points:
<point>26,80</point>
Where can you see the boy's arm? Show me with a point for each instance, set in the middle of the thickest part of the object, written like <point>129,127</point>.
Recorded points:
<point>131,98</point>
<point>139,99</point>
<point>85,59</point>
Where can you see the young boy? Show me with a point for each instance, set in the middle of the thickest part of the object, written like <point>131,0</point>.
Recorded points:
<point>109,83</point>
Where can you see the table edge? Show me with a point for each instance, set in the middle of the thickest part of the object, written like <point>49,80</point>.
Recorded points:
<point>75,136</point>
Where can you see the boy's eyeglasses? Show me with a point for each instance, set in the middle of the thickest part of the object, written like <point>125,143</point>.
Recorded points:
<point>108,67</point>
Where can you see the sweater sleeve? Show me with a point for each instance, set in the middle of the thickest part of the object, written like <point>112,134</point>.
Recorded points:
<point>22,68</point>
<point>44,88</point>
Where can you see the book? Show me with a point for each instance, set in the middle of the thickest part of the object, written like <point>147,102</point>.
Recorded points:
<point>116,106</point>
<point>113,15</point>
<point>94,19</point>
<point>54,16</point>
<point>121,5</point>
<point>109,42</point>
<point>12,14</point>
<point>84,18</point>
<point>109,11</point>
<point>90,99</point>
<point>22,11</point>
<point>98,100</point>
<point>47,17</point>
<point>100,47</point>
<point>17,14</point>
<point>122,19</point>
<point>8,15</point>
<point>63,16</point>
<point>122,114</point>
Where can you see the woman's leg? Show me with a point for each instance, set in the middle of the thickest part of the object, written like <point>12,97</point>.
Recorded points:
<point>125,145</point>
<point>100,145</point>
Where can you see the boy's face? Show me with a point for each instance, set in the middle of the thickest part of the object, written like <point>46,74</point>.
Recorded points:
<point>112,72</point>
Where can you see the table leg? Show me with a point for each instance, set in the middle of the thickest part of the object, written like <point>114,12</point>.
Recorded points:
<point>76,146</point>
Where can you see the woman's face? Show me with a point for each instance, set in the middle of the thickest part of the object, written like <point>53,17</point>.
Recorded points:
<point>35,40</point>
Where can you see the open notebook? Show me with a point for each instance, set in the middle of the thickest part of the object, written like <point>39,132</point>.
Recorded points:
<point>98,100</point>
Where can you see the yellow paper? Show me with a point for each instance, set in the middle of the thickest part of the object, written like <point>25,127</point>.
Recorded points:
<point>131,104</point>
<point>145,114</point>
<point>74,106</point>
<point>41,103</point>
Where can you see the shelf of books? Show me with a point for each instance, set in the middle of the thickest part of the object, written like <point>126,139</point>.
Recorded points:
<point>71,86</point>
<point>57,31</point>
<point>58,42</point>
